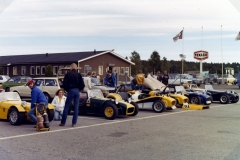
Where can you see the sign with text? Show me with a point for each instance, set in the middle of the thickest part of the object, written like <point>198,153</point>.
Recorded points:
<point>200,55</point>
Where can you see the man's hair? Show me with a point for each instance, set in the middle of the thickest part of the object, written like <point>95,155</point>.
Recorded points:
<point>73,66</point>
<point>89,73</point>
<point>109,71</point>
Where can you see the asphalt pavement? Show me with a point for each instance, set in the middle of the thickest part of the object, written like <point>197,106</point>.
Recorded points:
<point>172,135</point>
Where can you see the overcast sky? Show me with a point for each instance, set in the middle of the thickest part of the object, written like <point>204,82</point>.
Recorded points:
<point>53,26</point>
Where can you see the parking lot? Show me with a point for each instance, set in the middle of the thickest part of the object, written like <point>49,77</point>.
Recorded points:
<point>175,134</point>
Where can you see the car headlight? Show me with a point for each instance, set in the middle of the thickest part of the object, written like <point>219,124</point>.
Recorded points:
<point>116,101</point>
<point>24,104</point>
<point>129,100</point>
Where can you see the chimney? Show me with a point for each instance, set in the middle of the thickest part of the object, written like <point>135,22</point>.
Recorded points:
<point>46,54</point>
<point>94,51</point>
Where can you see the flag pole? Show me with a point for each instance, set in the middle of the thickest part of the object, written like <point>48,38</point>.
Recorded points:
<point>201,49</point>
<point>182,48</point>
<point>222,54</point>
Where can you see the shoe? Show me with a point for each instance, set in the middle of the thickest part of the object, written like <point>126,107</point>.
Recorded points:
<point>74,125</point>
<point>61,124</point>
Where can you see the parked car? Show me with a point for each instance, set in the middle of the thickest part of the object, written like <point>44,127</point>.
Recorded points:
<point>179,79</point>
<point>48,85</point>
<point>211,78</point>
<point>93,101</point>
<point>223,97</point>
<point>15,81</point>
<point>227,79</point>
<point>13,109</point>
<point>3,78</point>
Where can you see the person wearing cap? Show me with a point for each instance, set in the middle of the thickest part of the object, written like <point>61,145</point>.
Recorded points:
<point>73,84</point>
<point>37,96</point>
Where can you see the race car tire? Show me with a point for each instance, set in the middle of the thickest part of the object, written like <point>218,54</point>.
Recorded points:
<point>110,111</point>
<point>136,108</point>
<point>50,113</point>
<point>7,89</point>
<point>158,106</point>
<point>15,117</point>
<point>195,100</point>
<point>47,97</point>
<point>224,99</point>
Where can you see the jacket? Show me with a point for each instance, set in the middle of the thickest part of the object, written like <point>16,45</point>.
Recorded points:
<point>87,83</point>
<point>111,84</point>
<point>37,97</point>
<point>73,80</point>
<point>140,78</point>
<point>59,106</point>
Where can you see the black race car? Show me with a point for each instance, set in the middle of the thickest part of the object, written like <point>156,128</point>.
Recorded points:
<point>223,96</point>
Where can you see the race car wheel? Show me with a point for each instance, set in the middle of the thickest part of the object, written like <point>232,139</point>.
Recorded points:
<point>47,97</point>
<point>136,108</point>
<point>50,113</point>
<point>195,100</point>
<point>158,106</point>
<point>224,99</point>
<point>15,117</point>
<point>7,89</point>
<point>110,111</point>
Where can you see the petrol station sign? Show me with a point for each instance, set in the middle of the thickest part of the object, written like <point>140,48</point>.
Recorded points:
<point>200,55</point>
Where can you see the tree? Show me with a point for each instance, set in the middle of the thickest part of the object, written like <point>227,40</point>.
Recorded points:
<point>49,71</point>
<point>1,69</point>
<point>165,64</point>
<point>135,58</point>
<point>154,62</point>
<point>126,57</point>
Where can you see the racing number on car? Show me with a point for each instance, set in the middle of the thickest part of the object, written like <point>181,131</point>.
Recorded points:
<point>185,106</point>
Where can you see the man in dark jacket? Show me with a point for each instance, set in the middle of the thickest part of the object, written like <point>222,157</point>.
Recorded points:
<point>165,78</point>
<point>37,96</point>
<point>73,84</point>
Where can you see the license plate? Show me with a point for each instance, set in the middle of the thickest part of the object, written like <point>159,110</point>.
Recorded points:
<point>185,105</point>
<point>208,102</point>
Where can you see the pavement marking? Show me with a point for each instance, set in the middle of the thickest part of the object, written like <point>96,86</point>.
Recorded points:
<point>102,124</point>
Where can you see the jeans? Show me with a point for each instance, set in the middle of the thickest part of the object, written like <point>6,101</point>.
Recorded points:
<point>73,94</point>
<point>32,114</point>
<point>57,114</point>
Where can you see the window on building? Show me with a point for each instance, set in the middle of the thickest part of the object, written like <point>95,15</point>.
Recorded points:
<point>61,73</point>
<point>32,70</point>
<point>122,70</point>
<point>15,70</point>
<point>37,70</point>
<point>43,68</point>
<point>55,70</point>
<point>100,70</point>
<point>23,70</point>
<point>127,70</point>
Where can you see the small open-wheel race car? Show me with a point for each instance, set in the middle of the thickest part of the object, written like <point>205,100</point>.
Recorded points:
<point>159,88</point>
<point>145,99</point>
<point>93,101</point>
<point>13,109</point>
<point>224,97</point>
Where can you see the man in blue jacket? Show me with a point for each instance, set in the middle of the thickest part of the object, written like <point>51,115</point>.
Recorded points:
<point>37,97</point>
<point>110,79</point>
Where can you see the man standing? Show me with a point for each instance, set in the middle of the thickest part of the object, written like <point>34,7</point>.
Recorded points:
<point>140,80</point>
<point>110,79</point>
<point>73,84</point>
<point>37,97</point>
<point>165,78</point>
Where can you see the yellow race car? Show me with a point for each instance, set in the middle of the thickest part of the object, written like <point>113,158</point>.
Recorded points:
<point>13,109</point>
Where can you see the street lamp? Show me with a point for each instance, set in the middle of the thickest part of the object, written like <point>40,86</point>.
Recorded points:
<point>182,56</point>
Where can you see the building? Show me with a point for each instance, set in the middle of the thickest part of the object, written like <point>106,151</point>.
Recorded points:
<point>34,65</point>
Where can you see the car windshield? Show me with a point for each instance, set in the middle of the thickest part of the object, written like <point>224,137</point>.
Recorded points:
<point>95,81</point>
<point>96,93</point>
<point>209,87</point>
<point>9,96</point>
<point>180,89</point>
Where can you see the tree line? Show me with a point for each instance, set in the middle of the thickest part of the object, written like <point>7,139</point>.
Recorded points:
<point>155,63</point>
